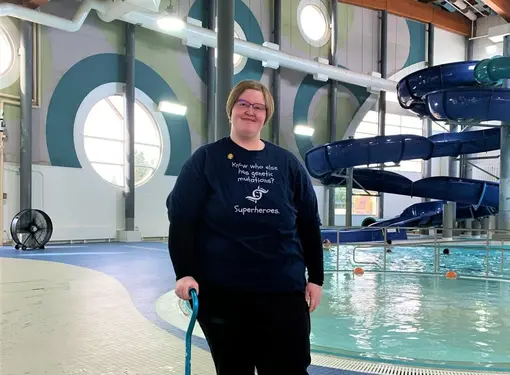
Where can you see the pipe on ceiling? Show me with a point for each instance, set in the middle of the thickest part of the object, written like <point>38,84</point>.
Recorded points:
<point>204,36</point>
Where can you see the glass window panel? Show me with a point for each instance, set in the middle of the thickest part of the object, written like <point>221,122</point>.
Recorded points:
<point>103,121</point>
<point>142,174</point>
<point>392,119</point>
<point>104,151</point>
<point>372,116</point>
<point>411,122</point>
<point>147,156</point>
<point>367,128</point>
<point>111,173</point>
<point>146,130</point>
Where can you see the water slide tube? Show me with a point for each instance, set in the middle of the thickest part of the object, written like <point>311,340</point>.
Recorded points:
<point>464,92</point>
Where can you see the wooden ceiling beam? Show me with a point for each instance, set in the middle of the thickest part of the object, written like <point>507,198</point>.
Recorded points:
<point>421,12</point>
<point>501,7</point>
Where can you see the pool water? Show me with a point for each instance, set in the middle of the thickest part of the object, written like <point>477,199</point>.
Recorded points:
<point>465,261</point>
<point>415,319</point>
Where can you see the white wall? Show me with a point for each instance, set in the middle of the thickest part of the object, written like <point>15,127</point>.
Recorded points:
<point>483,47</point>
<point>448,47</point>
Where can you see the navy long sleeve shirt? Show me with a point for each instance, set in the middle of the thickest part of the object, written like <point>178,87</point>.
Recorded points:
<point>245,219</point>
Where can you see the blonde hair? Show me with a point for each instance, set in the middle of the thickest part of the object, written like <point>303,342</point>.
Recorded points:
<point>249,84</point>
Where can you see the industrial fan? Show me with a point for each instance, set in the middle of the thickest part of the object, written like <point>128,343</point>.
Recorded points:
<point>31,229</point>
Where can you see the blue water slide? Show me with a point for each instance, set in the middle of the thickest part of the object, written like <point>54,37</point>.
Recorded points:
<point>452,189</point>
<point>466,92</point>
<point>427,214</point>
<point>325,159</point>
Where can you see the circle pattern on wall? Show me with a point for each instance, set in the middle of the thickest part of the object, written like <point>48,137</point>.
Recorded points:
<point>306,91</point>
<point>248,25</point>
<point>90,73</point>
<point>105,141</point>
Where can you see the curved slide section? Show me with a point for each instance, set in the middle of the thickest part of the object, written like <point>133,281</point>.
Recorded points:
<point>467,191</point>
<point>465,92</point>
<point>325,159</point>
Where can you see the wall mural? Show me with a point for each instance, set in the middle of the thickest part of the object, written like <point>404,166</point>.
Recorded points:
<point>93,72</point>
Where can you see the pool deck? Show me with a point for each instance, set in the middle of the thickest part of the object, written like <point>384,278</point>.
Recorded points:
<point>110,309</point>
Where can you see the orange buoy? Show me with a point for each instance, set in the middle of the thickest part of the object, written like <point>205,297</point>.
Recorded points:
<point>451,275</point>
<point>326,244</point>
<point>359,271</point>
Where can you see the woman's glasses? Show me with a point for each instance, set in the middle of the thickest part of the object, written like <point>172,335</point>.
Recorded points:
<point>241,103</point>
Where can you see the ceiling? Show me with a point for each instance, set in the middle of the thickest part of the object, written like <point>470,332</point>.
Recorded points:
<point>33,4</point>
<point>478,7</point>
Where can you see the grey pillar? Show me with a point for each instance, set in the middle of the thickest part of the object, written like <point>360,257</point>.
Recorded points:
<point>26,86</point>
<point>486,225</point>
<point>224,64</point>
<point>427,130</point>
<point>129,206</point>
<point>468,225</point>
<point>504,169</point>
<point>476,225</point>
<point>382,97</point>
<point>448,212</point>
<point>277,39</point>
<point>450,217</point>
<point>211,73</point>
<point>348,198</point>
<point>333,100</point>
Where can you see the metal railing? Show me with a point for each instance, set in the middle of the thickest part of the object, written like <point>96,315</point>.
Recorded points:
<point>487,241</point>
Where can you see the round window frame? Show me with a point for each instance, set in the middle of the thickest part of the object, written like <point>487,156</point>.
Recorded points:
<point>103,92</point>
<point>324,11</point>
<point>11,75</point>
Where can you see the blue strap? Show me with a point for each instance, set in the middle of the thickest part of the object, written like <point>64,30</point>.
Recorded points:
<point>189,332</point>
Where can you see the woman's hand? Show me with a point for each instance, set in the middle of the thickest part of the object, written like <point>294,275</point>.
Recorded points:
<point>183,286</point>
<point>313,294</point>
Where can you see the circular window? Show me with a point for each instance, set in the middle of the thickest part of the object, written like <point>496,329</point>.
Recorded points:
<point>313,22</point>
<point>7,52</point>
<point>105,141</point>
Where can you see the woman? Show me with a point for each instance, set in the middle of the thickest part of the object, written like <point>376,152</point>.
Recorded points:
<point>244,226</point>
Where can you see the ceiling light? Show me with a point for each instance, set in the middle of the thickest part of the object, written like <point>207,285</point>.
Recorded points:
<point>304,130</point>
<point>169,107</point>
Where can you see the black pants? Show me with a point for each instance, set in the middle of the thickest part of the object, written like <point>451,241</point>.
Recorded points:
<point>269,332</point>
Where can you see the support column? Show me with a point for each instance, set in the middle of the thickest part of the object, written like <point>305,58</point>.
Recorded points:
<point>448,212</point>
<point>486,223</point>
<point>450,209</point>
<point>476,225</point>
<point>504,169</point>
<point>382,97</point>
<point>348,198</point>
<point>427,126</point>
<point>224,64</point>
<point>211,74</point>
<point>333,108</point>
<point>277,39</point>
<point>129,234</point>
<point>26,86</point>
<point>130,125</point>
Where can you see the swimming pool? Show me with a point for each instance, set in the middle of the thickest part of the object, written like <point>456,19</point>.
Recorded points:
<point>414,319</point>
<point>469,260</point>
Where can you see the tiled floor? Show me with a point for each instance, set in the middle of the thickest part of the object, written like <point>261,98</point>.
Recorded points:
<point>93,309</point>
